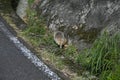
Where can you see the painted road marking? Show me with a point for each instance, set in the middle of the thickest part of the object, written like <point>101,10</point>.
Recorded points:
<point>34,59</point>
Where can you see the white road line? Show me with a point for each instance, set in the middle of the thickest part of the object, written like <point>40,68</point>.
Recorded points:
<point>34,59</point>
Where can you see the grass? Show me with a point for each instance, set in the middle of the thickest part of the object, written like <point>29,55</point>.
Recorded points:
<point>111,75</point>
<point>105,55</point>
<point>40,37</point>
<point>105,52</point>
<point>36,31</point>
<point>102,59</point>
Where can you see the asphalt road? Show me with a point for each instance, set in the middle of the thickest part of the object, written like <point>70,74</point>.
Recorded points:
<point>14,65</point>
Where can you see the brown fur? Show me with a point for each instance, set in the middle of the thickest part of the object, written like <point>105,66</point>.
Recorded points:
<point>59,38</point>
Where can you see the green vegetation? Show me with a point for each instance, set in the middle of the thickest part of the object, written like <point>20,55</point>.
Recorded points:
<point>105,53</point>
<point>102,59</point>
<point>105,56</point>
<point>36,31</point>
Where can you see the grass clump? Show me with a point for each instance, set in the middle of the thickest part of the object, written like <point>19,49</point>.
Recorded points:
<point>37,32</point>
<point>83,58</point>
<point>102,59</point>
<point>111,75</point>
<point>105,55</point>
<point>71,51</point>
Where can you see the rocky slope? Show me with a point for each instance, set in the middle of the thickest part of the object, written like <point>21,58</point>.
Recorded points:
<point>81,20</point>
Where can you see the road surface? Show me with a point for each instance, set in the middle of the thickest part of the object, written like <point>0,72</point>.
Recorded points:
<point>13,64</point>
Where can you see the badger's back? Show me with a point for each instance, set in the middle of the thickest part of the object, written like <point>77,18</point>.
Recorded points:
<point>59,38</point>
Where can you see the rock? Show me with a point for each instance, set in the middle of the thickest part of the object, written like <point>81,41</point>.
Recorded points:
<point>94,16</point>
<point>21,8</point>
